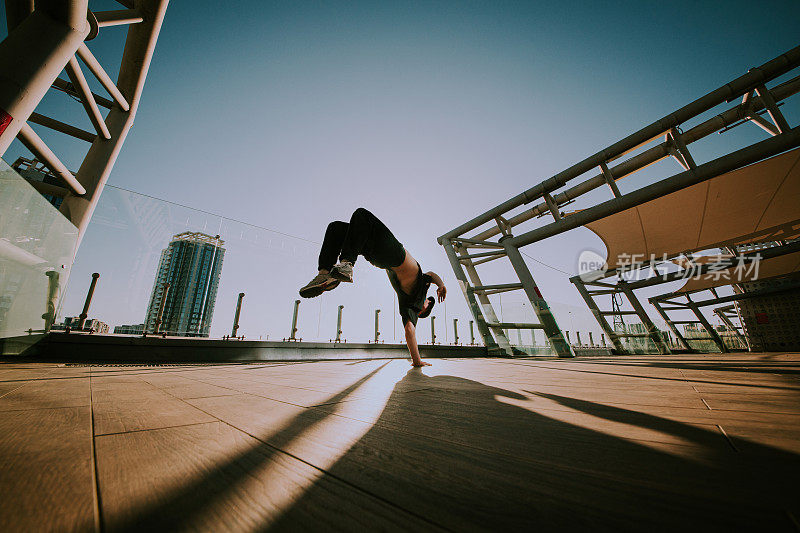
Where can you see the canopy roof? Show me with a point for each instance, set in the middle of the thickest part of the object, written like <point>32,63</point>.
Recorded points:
<point>767,268</point>
<point>757,203</point>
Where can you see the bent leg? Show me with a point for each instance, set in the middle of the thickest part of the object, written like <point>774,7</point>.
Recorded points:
<point>332,244</point>
<point>368,236</point>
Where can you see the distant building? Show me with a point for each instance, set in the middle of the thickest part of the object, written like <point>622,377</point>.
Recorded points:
<point>191,265</point>
<point>72,322</point>
<point>42,178</point>
<point>129,329</point>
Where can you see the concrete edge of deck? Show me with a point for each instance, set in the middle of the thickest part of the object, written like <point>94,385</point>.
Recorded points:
<point>114,348</point>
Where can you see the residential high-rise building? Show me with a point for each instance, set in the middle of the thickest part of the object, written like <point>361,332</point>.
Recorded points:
<point>191,265</point>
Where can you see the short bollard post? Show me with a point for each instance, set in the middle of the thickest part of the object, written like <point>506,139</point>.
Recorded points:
<point>471,333</point>
<point>603,339</point>
<point>294,321</point>
<point>377,330</point>
<point>160,317</point>
<point>578,335</point>
<point>339,325</point>
<point>236,316</point>
<point>85,313</point>
<point>433,330</point>
<point>49,315</point>
<point>455,331</point>
<point>591,340</point>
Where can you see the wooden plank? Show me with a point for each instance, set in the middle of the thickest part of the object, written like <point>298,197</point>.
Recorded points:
<point>46,479</point>
<point>212,477</point>
<point>122,416</point>
<point>610,443</point>
<point>466,459</point>
<point>124,391</point>
<point>48,393</point>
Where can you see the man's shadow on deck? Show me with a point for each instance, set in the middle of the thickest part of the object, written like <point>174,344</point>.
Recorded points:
<point>458,453</point>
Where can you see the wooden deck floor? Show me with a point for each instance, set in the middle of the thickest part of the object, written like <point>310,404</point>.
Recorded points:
<point>623,443</point>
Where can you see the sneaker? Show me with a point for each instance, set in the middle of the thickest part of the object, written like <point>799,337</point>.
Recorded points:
<point>318,285</point>
<point>343,271</point>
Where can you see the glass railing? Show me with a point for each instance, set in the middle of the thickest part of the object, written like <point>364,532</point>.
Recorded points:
<point>37,244</point>
<point>134,242</point>
<point>139,244</point>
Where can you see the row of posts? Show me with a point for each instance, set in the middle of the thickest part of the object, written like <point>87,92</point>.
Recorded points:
<point>49,316</point>
<point>591,339</point>
<point>377,338</point>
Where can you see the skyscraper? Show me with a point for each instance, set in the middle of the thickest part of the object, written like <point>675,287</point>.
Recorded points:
<point>191,265</point>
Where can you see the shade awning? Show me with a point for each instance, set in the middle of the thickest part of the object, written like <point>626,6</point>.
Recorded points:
<point>766,268</point>
<point>757,203</point>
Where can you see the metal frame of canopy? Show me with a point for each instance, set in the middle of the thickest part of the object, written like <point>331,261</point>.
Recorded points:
<point>741,256</point>
<point>757,103</point>
<point>727,314</point>
<point>47,37</point>
<point>671,300</point>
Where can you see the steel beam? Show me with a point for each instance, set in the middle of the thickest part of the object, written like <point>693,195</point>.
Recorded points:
<point>745,156</point>
<point>772,108</point>
<point>652,331</point>
<point>540,307</point>
<point>609,177</point>
<point>720,312</point>
<point>472,302</point>
<point>598,315</point>
<point>708,327</point>
<point>733,297</point>
<point>79,80</point>
<point>62,127</point>
<point>68,88</point>
<point>493,253</point>
<point>97,69</point>
<point>32,56</point>
<point>652,155</point>
<point>488,314</point>
<point>16,11</point>
<point>755,77</point>
<point>118,17</point>
<point>36,145</point>
<point>96,167</point>
<point>515,325</point>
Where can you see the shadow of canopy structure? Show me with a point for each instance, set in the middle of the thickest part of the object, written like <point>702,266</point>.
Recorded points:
<point>45,39</point>
<point>670,142</point>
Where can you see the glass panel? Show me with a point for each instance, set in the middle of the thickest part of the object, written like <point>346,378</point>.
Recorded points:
<point>133,243</point>
<point>36,248</point>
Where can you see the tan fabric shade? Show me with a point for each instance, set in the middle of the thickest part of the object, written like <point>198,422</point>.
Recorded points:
<point>760,202</point>
<point>768,268</point>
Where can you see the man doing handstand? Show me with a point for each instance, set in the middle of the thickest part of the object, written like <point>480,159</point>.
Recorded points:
<point>366,235</point>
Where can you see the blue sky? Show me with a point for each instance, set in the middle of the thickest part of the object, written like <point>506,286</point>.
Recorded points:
<point>288,115</point>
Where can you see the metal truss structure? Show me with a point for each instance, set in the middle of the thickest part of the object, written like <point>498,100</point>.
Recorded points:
<point>48,37</point>
<point>678,301</point>
<point>684,301</point>
<point>665,139</point>
<point>727,314</point>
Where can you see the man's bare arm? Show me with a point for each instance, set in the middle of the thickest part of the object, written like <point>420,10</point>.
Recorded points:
<point>441,292</point>
<point>411,342</point>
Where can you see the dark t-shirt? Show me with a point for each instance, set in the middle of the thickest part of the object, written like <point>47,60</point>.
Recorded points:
<point>410,305</point>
